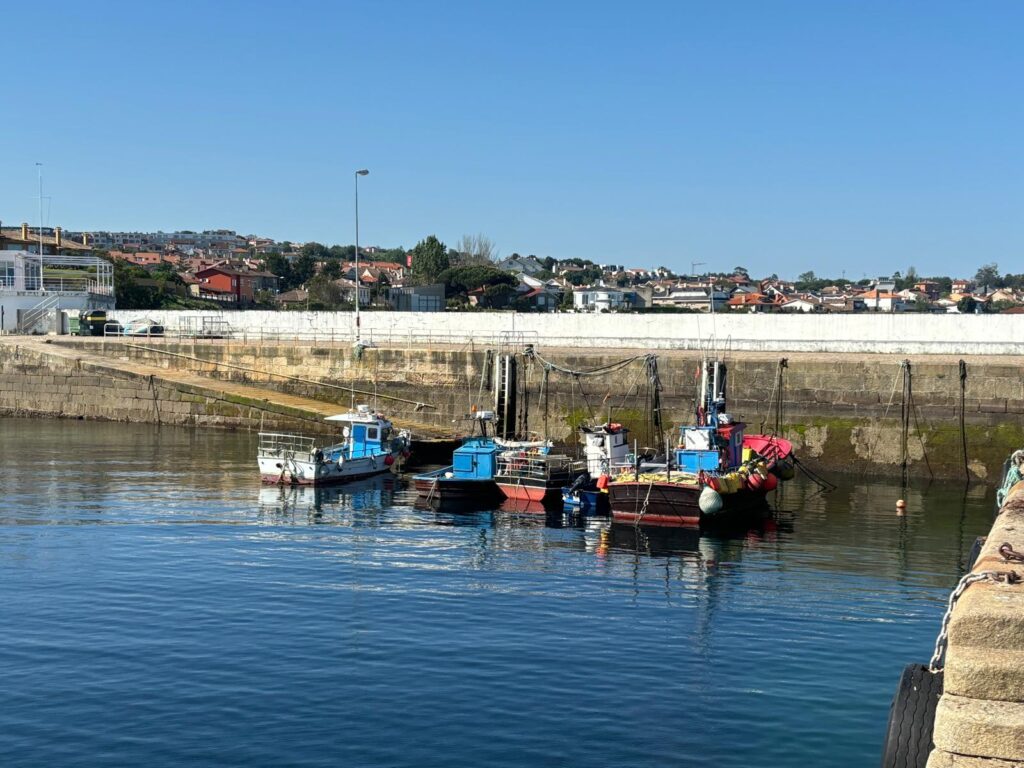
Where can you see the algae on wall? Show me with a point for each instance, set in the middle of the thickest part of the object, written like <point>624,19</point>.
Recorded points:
<point>840,410</point>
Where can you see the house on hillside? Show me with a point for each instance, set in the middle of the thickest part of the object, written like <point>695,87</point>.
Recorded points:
<point>882,301</point>
<point>805,302</point>
<point>520,265</point>
<point>698,299</point>
<point>600,299</point>
<point>756,302</point>
<point>417,298</point>
<point>223,282</point>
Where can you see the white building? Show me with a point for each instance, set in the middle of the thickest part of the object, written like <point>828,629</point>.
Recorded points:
<point>699,299</point>
<point>35,286</point>
<point>600,299</point>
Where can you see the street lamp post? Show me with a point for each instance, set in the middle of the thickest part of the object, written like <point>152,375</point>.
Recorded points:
<point>39,167</point>
<point>361,172</point>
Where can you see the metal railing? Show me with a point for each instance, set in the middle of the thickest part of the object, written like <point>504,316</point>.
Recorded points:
<point>536,466</point>
<point>30,318</point>
<point>284,445</point>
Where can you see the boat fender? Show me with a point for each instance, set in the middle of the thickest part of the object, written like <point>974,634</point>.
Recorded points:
<point>710,501</point>
<point>602,482</point>
<point>908,739</point>
<point>713,483</point>
<point>389,460</point>
<point>785,470</point>
<point>755,482</point>
<point>770,484</point>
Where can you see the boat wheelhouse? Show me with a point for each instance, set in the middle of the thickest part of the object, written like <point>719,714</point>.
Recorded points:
<point>715,468</point>
<point>370,445</point>
<point>469,481</point>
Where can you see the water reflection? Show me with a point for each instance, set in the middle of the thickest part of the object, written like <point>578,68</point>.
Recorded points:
<point>301,608</point>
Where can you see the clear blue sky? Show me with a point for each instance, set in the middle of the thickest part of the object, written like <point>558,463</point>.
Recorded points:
<point>778,135</point>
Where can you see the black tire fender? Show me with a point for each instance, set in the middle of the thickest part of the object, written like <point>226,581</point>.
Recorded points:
<point>972,558</point>
<point>908,736</point>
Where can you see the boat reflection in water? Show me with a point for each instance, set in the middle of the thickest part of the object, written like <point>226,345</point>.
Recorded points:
<point>315,504</point>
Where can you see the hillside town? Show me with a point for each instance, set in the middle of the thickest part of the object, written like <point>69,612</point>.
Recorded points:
<point>223,269</point>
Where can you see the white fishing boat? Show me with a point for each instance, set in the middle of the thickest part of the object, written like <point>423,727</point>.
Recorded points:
<point>370,445</point>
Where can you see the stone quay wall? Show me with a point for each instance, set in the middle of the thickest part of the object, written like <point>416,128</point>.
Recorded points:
<point>53,383</point>
<point>979,722</point>
<point>842,411</point>
<point>870,332</point>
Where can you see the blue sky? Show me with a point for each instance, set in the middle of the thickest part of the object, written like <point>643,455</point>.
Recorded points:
<point>774,134</point>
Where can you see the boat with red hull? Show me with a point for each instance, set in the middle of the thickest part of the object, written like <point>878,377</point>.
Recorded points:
<point>714,472</point>
<point>535,475</point>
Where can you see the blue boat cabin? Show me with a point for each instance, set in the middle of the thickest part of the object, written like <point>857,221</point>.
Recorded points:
<point>475,459</point>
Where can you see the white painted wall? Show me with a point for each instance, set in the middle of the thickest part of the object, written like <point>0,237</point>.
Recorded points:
<point>871,332</point>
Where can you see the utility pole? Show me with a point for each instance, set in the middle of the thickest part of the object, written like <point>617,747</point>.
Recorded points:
<point>362,172</point>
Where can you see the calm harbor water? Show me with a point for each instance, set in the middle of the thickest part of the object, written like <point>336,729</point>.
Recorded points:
<point>160,607</point>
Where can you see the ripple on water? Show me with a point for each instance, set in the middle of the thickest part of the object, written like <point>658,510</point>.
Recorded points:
<point>161,607</point>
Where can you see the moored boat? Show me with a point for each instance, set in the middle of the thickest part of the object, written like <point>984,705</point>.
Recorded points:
<point>370,446</point>
<point>534,474</point>
<point>715,470</point>
<point>469,481</point>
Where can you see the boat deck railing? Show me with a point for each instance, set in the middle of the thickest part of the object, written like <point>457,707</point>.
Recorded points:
<point>536,466</point>
<point>281,444</point>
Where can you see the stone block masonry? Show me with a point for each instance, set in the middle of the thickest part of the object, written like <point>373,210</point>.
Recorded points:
<point>842,411</point>
<point>38,379</point>
<point>980,718</point>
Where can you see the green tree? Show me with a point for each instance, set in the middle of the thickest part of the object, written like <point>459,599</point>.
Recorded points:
<point>318,251</point>
<point>303,269</point>
<point>278,265</point>
<point>323,293</point>
<point>467,278</point>
<point>988,275</point>
<point>967,305</point>
<point>331,269</point>
<point>429,259</point>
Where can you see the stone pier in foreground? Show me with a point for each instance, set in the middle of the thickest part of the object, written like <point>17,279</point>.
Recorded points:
<point>980,718</point>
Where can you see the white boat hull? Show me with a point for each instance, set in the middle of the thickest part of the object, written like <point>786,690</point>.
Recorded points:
<point>305,471</point>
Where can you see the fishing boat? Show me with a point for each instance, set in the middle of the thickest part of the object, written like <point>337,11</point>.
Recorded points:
<point>370,445</point>
<point>533,473</point>
<point>715,469</point>
<point>605,447</point>
<point>469,480</point>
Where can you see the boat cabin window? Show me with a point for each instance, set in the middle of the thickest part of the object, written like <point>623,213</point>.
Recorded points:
<point>371,433</point>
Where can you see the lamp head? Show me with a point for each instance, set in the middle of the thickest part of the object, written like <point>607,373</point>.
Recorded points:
<point>362,172</point>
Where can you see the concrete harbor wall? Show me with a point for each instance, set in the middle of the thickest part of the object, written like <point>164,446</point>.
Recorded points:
<point>979,722</point>
<point>843,412</point>
<point>899,333</point>
<point>47,381</point>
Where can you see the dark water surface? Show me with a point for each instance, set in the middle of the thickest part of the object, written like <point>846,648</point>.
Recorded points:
<point>160,607</point>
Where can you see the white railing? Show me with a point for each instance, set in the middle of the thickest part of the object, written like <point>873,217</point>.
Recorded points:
<point>30,318</point>
<point>536,466</point>
<point>284,445</point>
